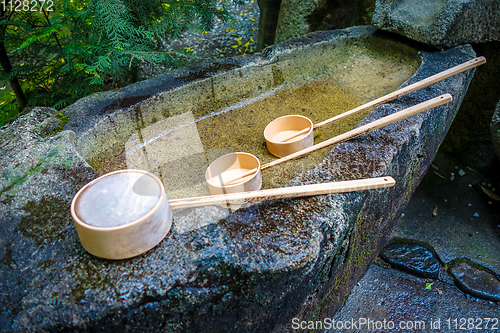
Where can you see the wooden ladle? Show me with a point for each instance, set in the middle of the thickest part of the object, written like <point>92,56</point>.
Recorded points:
<point>126,212</point>
<point>289,134</point>
<point>221,177</point>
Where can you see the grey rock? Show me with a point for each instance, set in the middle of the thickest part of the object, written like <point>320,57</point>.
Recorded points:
<point>40,174</point>
<point>253,270</point>
<point>440,23</point>
<point>300,17</point>
<point>495,131</point>
<point>385,295</point>
<point>476,282</point>
<point>412,258</point>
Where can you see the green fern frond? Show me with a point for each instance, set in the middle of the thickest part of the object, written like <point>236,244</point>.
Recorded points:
<point>46,32</point>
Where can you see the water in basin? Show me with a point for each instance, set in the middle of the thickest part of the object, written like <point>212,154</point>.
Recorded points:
<point>178,148</point>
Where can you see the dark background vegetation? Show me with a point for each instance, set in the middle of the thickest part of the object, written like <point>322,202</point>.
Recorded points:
<point>53,53</point>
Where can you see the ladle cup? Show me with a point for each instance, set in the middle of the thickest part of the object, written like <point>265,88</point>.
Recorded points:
<point>110,227</point>
<point>229,179</point>
<point>289,134</point>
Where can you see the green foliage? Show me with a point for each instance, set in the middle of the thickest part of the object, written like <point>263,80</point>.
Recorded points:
<point>81,47</point>
<point>8,106</point>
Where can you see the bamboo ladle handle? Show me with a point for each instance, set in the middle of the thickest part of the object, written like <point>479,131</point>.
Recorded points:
<point>408,89</point>
<point>384,121</point>
<point>286,192</point>
<point>299,133</point>
<point>387,120</point>
<point>398,93</point>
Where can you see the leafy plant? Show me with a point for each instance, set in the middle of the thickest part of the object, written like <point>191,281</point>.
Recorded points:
<point>80,47</point>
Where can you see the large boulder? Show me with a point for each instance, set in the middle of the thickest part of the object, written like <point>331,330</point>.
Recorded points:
<point>255,269</point>
<point>300,17</point>
<point>444,23</point>
<point>41,171</point>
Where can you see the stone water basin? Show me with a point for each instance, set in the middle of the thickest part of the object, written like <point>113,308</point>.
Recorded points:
<point>178,133</point>
<point>250,268</point>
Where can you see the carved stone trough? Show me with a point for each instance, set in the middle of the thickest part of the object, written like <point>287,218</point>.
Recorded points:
<point>252,267</point>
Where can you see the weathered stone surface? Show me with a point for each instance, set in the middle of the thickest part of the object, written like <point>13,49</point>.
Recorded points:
<point>385,295</point>
<point>299,17</point>
<point>440,23</point>
<point>40,174</point>
<point>495,131</point>
<point>412,258</point>
<point>476,282</point>
<point>254,270</point>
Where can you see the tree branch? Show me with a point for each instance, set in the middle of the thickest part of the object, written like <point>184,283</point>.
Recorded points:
<point>48,21</point>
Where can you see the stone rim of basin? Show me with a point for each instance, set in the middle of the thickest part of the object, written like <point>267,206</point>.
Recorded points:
<point>270,54</point>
